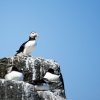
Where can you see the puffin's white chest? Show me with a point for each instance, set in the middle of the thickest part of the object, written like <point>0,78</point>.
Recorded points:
<point>52,77</point>
<point>14,75</point>
<point>29,46</point>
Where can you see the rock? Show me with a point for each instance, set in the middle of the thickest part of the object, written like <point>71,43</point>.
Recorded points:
<point>47,95</point>
<point>15,90</point>
<point>33,69</point>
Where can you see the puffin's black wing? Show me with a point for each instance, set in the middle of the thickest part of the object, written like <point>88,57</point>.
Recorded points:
<point>21,48</point>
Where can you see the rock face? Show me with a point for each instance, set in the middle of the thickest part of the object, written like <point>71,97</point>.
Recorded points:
<point>33,69</point>
<point>15,90</point>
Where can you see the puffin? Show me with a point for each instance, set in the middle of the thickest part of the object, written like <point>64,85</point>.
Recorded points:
<point>14,74</point>
<point>44,83</point>
<point>51,76</point>
<point>27,47</point>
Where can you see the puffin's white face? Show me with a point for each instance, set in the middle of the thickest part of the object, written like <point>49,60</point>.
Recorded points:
<point>33,34</point>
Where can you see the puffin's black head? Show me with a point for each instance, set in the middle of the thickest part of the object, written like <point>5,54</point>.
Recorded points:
<point>33,36</point>
<point>15,69</point>
<point>51,70</point>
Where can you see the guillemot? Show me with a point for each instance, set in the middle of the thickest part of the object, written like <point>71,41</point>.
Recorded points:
<point>27,47</point>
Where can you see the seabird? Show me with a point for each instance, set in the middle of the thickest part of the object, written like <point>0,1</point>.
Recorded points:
<point>27,47</point>
<point>44,84</point>
<point>51,76</point>
<point>14,74</point>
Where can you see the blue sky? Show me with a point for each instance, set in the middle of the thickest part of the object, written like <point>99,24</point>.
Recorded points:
<point>69,32</point>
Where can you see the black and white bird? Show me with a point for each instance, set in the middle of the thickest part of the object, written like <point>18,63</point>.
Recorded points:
<point>48,78</point>
<point>51,76</point>
<point>54,78</point>
<point>27,47</point>
<point>14,74</point>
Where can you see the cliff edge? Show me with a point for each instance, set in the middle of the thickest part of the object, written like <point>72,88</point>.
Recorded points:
<point>31,88</point>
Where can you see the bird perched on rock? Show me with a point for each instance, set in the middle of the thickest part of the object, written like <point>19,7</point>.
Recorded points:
<point>51,76</point>
<point>14,74</point>
<point>27,47</point>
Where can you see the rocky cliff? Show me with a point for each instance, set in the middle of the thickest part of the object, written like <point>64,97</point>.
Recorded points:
<point>31,88</point>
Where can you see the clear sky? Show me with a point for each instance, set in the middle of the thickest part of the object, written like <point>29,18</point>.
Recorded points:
<point>69,32</point>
